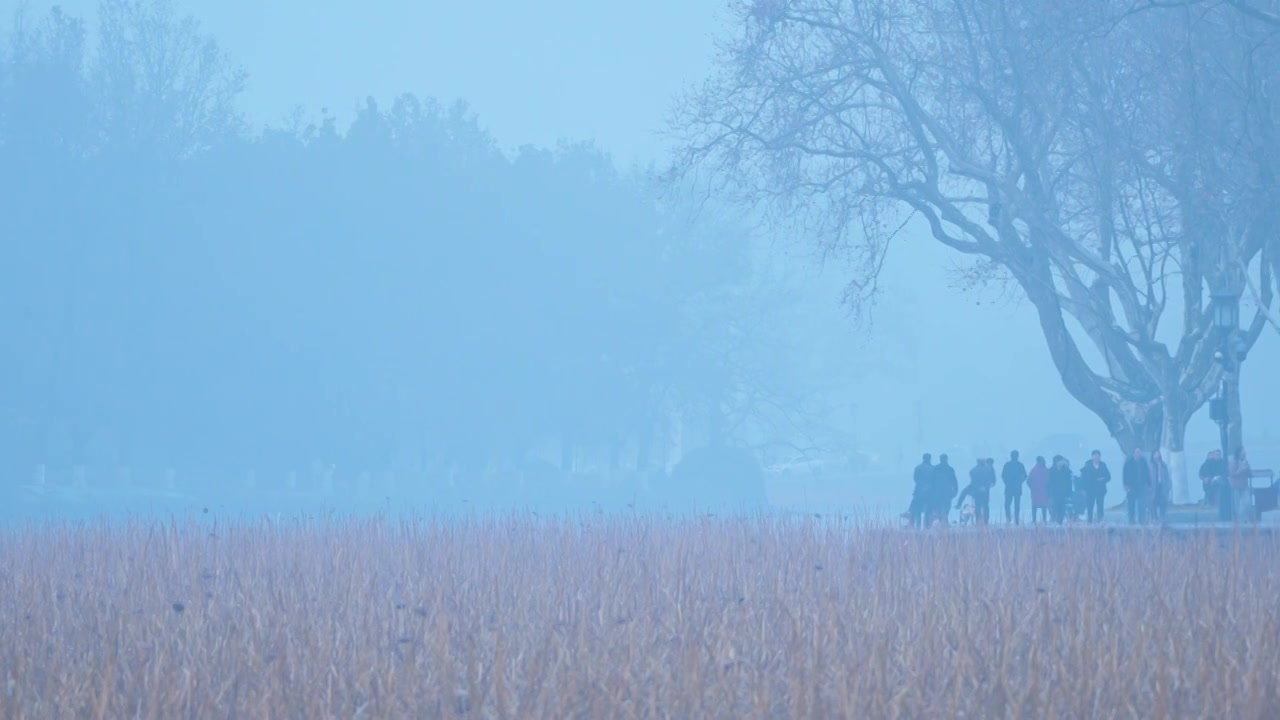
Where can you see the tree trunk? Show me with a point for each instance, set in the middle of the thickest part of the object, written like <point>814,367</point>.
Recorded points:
<point>1144,435</point>
<point>1173,448</point>
<point>1235,418</point>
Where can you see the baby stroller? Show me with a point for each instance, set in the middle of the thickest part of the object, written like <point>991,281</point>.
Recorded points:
<point>1077,502</point>
<point>967,514</point>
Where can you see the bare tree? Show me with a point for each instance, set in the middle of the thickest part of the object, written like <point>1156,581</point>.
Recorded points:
<point>1266,12</point>
<point>1060,145</point>
<point>165,86</point>
<point>737,368</point>
<point>1255,23</point>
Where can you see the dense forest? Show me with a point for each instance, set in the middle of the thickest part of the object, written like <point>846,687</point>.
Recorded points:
<point>181,290</point>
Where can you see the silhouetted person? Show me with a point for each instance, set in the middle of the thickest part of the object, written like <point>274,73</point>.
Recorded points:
<point>1094,476</point>
<point>1137,486</point>
<point>982,477</point>
<point>1161,487</point>
<point>922,494</point>
<point>1014,475</point>
<point>1241,490</point>
<point>990,476</point>
<point>1038,482</point>
<point>1059,488</point>
<point>1213,475</point>
<point>946,486</point>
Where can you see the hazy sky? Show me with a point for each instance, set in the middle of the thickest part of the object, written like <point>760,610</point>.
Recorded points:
<point>536,72</point>
<point>584,69</point>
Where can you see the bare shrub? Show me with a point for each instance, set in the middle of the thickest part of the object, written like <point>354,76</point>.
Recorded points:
<point>595,617</point>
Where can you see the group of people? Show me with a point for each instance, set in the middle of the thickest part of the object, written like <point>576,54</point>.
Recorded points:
<point>1227,484</point>
<point>1058,493</point>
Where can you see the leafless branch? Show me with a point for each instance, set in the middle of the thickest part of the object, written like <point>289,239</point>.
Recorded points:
<point>1070,145</point>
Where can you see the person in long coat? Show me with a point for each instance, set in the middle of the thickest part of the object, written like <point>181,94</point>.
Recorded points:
<point>945,488</point>
<point>922,494</point>
<point>1094,476</point>
<point>1038,481</point>
<point>1059,488</point>
<point>1014,475</point>
<point>1137,486</point>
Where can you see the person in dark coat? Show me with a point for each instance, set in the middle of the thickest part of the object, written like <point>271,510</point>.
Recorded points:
<point>1094,476</point>
<point>922,494</point>
<point>1038,482</point>
<point>1060,476</point>
<point>989,475</point>
<point>982,477</point>
<point>1137,486</point>
<point>946,487</point>
<point>1014,475</point>
<point>1213,475</point>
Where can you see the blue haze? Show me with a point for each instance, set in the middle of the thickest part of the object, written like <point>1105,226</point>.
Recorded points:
<point>359,293</point>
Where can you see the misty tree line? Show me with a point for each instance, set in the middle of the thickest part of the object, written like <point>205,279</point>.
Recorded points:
<point>180,289</point>
<point>1113,160</point>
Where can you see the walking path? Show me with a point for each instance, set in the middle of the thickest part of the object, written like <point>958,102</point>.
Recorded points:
<point>1182,519</point>
<point>1191,514</point>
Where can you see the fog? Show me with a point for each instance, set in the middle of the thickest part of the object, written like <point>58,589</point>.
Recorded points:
<point>419,257</point>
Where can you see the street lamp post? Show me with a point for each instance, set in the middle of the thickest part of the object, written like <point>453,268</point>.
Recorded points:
<point>1225,303</point>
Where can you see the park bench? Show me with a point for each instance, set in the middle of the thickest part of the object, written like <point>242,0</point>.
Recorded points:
<point>1264,493</point>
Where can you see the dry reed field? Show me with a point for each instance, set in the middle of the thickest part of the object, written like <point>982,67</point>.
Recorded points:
<point>644,617</point>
